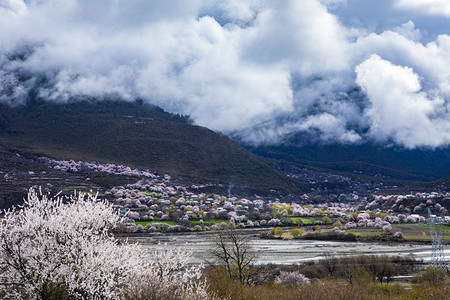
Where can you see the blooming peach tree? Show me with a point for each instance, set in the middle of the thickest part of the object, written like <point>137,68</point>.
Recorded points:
<point>65,246</point>
<point>294,278</point>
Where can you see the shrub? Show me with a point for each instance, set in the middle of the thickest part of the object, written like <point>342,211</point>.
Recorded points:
<point>337,224</point>
<point>175,228</point>
<point>161,226</point>
<point>139,228</point>
<point>398,235</point>
<point>277,231</point>
<point>350,225</point>
<point>184,222</point>
<point>219,226</point>
<point>153,229</point>
<point>387,228</point>
<point>296,232</point>
<point>294,278</point>
<point>433,276</point>
<point>326,220</point>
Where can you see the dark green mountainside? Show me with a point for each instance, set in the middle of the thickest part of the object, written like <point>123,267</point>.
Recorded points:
<point>367,162</point>
<point>140,135</point>
<point>137,135</point>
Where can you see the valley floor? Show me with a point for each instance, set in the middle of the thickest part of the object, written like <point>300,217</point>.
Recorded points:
<point>285,252</point>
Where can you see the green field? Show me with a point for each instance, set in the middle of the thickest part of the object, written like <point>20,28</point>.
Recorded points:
<point>411,232</point>
<point>296,220</point>
<point>209,222</point>
<point>149,193</point>
<point>446,227</point>
<point>145,223</point>
<point>366,232</point>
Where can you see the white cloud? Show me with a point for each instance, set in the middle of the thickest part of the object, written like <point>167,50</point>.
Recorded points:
<point>432,7</point>
<point>399,111</point>
<point>302,34</point>
<point>331,128</point>
<point>231,65</point>
<point>12,7</point>
<point>409,31</point>
<point>430,61</point>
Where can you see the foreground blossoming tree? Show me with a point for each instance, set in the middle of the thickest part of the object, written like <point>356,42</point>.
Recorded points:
<point>63,248</point>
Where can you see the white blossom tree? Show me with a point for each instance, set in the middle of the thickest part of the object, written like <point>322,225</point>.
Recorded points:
<point>295,278</point>
<point>63,248</point>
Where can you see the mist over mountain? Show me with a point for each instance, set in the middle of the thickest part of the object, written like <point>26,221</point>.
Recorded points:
<point>346,72</point>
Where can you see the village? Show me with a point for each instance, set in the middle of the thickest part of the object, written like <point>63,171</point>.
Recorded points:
<point>156,204</point>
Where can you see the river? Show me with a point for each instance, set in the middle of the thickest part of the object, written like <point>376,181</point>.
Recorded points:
<point>284,251</point>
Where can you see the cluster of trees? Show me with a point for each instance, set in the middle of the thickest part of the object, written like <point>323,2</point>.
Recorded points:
<point>78,166</point>
<point>418,203</point>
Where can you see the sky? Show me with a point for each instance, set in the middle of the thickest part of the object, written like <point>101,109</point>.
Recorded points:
<point>337,71</point>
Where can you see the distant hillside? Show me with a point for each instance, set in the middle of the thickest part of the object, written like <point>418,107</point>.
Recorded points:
<point>138,135</point>
<point>366,162</point>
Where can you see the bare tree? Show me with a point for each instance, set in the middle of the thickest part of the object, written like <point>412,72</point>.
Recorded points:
<point>233,251</point>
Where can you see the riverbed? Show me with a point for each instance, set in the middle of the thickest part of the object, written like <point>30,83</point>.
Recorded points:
<point>285,252</point>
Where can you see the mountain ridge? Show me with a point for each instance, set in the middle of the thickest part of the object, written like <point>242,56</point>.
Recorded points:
<point>139,135</point>
<point>366,161</point>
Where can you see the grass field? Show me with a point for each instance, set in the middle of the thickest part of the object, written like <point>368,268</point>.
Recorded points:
<point>412,232</point>
<point>296,220</point>
<point>145,223</point>
<point>149,193</point>
<point>366,232</point>
<point>209,222</point>
<point>419,232</point>
<point>446,227</point>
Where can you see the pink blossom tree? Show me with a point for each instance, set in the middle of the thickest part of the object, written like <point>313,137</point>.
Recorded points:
<point>133,215</point>
<point>398,235</point>
<point>350,225</point>
<point>411,219</point>
<point>387,228</point>
<point>295,278</point>
<point>274,222</point>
